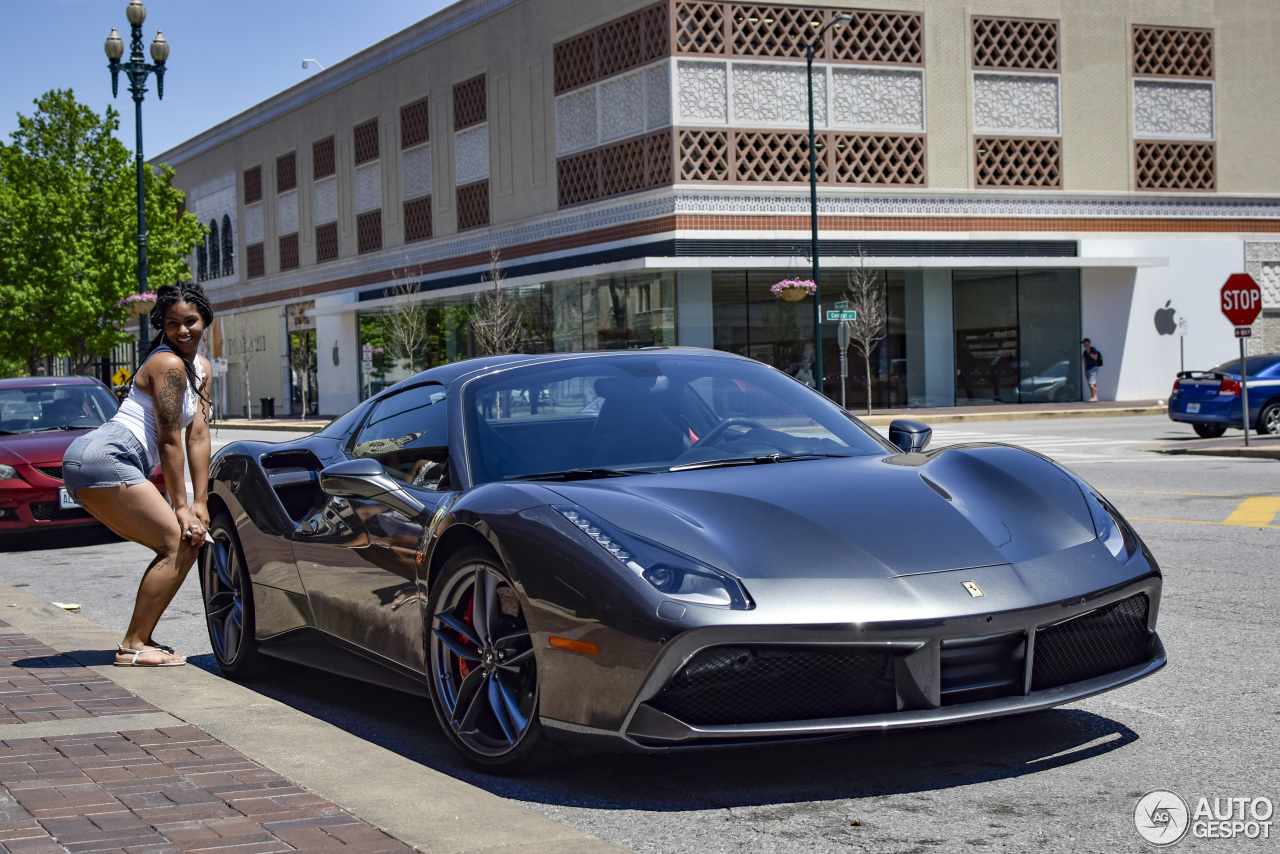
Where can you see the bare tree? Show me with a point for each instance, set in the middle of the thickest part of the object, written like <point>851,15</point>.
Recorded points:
<point>406,329</point>
<point>246,350</point>
<point>498,325</point>
<point>304,362</point>
<point>865,293</point>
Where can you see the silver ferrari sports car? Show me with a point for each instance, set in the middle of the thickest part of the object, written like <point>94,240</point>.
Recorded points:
<point>666,549</point>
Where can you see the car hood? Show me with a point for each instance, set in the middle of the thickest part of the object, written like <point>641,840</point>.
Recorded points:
<point>37,448</point>
<point>858,517</point>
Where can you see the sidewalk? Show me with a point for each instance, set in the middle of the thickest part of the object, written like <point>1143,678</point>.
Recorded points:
<point>96,758</point>
<point>878,418</point>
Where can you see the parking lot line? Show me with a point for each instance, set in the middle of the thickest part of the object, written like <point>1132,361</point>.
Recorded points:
<point>1255,513</point>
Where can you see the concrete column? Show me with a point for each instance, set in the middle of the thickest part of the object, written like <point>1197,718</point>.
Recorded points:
<point>694,324</point>
<point>931,372</point>
<point>337,357</point>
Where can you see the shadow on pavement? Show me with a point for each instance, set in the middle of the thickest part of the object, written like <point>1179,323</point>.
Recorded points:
<point>58,538</point>
<point>853,767</point>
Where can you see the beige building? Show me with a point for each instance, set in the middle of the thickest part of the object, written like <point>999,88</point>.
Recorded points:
<point>1019,174</point>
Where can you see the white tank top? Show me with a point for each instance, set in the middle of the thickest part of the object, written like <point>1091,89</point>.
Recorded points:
<point>138,412</point>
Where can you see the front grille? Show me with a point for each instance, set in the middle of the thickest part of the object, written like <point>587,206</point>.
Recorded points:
<point>769,684</point>
<point>54,472</point>
<point>49,511</point>
<point>982,668</point>
<point>1103,641</point>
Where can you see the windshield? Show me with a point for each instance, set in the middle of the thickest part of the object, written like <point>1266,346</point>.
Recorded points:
<point>646,413</point>
<point>1257,365</point>
<point>50,407</point>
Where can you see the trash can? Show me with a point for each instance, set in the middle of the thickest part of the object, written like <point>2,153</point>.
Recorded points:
<point>267,408</point>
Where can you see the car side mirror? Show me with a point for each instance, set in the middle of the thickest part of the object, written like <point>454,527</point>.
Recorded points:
<point>910,436</point>
<point>365,478</point>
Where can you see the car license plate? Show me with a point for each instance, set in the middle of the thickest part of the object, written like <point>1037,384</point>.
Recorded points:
<point>65,501</point>
<point>1193,408</point>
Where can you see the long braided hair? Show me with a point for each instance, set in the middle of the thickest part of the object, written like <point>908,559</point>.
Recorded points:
<point>166,298</point>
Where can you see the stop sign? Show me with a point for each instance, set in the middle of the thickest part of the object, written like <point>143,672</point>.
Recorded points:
<point>1241,299</point>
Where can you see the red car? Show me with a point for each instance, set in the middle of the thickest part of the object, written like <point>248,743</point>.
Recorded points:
<point>39,418</point>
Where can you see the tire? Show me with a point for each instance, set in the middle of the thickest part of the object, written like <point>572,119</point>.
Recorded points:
<point>1206,430</point>
<point>228,601</point>
<point>487,709</point>
<point>1269,418</point>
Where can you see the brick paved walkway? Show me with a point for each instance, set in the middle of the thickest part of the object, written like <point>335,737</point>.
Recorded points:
<point>149,791</point>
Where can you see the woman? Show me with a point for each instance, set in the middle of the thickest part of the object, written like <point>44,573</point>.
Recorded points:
<point>106,470</point>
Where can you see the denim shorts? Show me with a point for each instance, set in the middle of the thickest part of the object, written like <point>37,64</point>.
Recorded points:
<point>109,456</point>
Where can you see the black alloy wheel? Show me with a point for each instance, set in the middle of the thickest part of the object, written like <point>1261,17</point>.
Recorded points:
<point>228,601</point>
<point>484,676</point>
<point>1269,418</point>
<point>1208,430</point>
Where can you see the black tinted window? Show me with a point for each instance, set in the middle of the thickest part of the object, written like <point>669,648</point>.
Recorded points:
<point>1257,365</point>
<point>408,434</point>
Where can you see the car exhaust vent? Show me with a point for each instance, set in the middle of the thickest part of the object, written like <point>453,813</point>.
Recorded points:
<point>1094,644</point>
<point>770,684</point>
<point>982,668</point>
<point>54,472</point>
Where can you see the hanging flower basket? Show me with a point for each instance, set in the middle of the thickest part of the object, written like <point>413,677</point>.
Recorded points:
<point>138,304</point>
<point>794,290</point>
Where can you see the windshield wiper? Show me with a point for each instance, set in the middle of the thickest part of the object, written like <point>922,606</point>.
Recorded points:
<point>578,474</point>
<point>59,427</point>
<point>751,461</point>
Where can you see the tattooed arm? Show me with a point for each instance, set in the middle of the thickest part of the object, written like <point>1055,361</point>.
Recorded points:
<point>168,387</point>
<point>198,448</point>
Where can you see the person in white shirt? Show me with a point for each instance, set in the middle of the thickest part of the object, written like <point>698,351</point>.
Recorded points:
<point>106,470</point>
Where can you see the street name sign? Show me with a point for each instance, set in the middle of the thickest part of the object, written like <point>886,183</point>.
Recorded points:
<point>842,314</point>
<point>844,303</point>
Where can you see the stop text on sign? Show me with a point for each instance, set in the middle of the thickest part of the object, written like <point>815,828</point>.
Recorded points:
<point>1240,300</point>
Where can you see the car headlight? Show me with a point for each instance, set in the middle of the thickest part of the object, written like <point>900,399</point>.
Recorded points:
<point>1112,529</point>
<point>8,473</point>
<point>669,572</point>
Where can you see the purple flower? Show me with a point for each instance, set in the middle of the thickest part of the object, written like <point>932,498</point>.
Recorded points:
<point>787,284</point>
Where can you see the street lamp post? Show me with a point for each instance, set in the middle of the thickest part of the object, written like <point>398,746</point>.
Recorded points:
<point>810,49</point>
<point>137,70</point>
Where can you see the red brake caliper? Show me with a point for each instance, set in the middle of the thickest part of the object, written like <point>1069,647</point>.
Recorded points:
<point>464,667</point>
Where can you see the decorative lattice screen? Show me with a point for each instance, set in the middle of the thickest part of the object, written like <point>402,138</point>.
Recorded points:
<point>772,30</point>
<point>1175,166</point>
<point>1172,52</point>
<point>1018,162</point>
<point>700,27</point>
<point>289,251</point>
<point>253,185</point>
<point>704,155</point>
<point>417,219</point>
<point>879,159</point>
<point>775,157</point>
<point>624,167</point>
<point>366,140</point>
<point>256,260</point>
<point>326,242</point>
<point>612,48</point>
<point>415,123</point>
<point>470,103</point>
<point>322,161</point>
<point>286,172</point>
<point>891,37</point>
<point>369,231</point>
<point>473,205</point>
<point>1015,44</point>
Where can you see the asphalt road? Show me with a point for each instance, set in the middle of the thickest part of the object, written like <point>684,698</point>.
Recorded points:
<point>1066,779</point>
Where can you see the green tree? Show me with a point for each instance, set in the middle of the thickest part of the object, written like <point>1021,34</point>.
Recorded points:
<point>68,223</point>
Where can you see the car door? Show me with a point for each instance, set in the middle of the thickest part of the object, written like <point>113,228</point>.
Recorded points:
<point>358,558</point>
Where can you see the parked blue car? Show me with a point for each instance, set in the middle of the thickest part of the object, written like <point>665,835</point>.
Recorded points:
<point>1210,401</point>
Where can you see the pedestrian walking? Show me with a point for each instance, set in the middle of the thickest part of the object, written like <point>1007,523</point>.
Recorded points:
<point>106,470</point>
<point>1092,361</point>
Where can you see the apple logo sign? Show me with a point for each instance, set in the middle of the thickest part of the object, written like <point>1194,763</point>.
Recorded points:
<point>1165,324</point>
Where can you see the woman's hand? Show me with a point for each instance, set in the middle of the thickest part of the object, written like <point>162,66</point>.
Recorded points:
<point>192,527</point>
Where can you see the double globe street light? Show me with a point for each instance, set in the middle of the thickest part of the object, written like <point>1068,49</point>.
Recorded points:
<point>810,50</point>
<point>137,70</point>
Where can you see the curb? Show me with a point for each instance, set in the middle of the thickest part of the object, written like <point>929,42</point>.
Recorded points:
<point>282,426</point>
<point>1028,415</point>
<point>1248,453</point>
<point>422,807</point>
